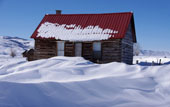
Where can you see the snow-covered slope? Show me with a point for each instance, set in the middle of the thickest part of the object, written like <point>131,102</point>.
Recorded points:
<point>16,44</point>
<point>154,53</point>
<point>75,82</point>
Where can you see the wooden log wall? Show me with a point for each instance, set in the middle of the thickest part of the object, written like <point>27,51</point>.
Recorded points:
<point>111,51</point>
<point>115,50</point>
<point>45,48</point>
<point>87,50</point>
<point>69,49</point>
<point>127,47</point>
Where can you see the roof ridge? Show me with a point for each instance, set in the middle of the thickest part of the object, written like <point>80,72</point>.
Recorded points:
<point>91,14</point>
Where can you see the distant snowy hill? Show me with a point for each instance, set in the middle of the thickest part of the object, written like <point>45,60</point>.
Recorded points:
<point>154,53</point>
<point>17,44</point>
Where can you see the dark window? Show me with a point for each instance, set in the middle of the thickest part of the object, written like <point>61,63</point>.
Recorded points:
<point>96,51</point>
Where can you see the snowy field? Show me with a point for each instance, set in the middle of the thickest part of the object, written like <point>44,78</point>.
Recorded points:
<point>151,60</point>
<point>75,82</point>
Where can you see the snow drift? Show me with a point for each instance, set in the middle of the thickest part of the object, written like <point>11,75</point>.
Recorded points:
<point>75,82</point>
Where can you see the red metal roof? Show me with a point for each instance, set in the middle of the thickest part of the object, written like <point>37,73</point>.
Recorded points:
<point>114,21</point>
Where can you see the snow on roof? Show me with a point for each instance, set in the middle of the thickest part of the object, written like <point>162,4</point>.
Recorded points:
<point>74,32</point>
<point>81,27</point>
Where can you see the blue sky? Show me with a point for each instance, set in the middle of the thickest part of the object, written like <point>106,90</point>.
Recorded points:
<point>152,17</point>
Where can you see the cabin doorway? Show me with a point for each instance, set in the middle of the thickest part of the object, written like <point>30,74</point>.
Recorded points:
<point>78,49</point>
<point>60,48</point>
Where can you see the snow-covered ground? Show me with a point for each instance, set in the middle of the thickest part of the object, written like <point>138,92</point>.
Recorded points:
<point>75,82</point>
<point>151,60</point>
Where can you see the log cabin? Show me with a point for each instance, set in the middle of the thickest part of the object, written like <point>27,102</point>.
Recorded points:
<point>100,38</point>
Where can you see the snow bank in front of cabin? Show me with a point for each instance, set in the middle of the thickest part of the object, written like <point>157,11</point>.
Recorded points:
<point>75,82</point>
<point>74,32</point>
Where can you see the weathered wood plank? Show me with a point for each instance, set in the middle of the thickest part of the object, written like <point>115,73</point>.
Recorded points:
<point>127,47</point>
<point>87,50</point>
<point>69,49</point>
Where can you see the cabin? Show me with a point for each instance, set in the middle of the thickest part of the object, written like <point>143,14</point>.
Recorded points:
<point>100,38</point>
